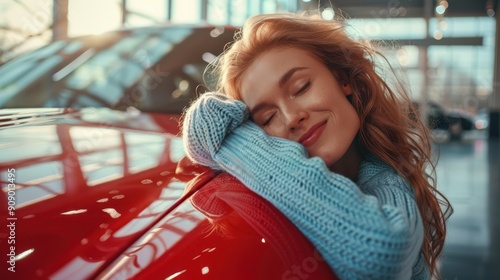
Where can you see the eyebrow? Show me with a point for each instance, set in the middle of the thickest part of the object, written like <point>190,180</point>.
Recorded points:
<point>282,81</point>
<point>288,75</point>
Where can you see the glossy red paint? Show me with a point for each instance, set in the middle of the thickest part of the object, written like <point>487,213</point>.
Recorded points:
<point>107,194</point>
<point>84,193</point>
<point>224,231</point>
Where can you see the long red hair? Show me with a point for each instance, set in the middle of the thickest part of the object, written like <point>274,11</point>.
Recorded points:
<point>390,126</point>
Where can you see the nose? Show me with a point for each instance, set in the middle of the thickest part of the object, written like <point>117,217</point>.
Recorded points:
<point>294,116</point>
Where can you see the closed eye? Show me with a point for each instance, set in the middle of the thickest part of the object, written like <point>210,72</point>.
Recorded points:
<point>304,87</point>
<point>267,120</point>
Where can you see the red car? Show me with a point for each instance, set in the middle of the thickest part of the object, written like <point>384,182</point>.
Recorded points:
<point>100,193</point>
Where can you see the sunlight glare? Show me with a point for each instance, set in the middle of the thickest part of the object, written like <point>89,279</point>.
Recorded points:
<point>92,17</point>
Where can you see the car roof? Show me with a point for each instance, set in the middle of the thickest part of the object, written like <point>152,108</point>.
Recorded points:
<point>154,69</point>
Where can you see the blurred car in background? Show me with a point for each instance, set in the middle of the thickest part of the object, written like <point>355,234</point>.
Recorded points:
<point>482,119</point>
<point>454,122</point>
<point>95,182</point>
<point>153,69</point>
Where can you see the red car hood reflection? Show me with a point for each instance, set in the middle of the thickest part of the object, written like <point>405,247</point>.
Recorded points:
<point>88,184</point>
<point>101,194</point>
<point>224,231</point>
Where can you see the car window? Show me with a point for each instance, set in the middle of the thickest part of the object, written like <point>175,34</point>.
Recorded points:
<point>20,75</point>
<point>155,69</point>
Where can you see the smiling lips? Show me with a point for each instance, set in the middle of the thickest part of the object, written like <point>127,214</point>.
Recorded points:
<point>312,134</point>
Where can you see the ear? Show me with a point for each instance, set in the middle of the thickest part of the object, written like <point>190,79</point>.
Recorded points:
<point>346,88</point>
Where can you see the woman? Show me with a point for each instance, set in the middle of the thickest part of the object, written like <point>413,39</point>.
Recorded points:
<point>307,123</point>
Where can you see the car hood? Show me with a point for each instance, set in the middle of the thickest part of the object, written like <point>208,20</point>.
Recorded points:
<point>82,185</point>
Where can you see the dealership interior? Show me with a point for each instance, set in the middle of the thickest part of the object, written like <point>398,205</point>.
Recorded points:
<point>448,50</point>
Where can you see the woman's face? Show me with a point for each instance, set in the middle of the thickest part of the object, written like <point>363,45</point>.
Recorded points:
<point>291,94</point>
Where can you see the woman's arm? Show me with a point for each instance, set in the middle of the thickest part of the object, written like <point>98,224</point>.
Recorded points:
<point>361,236</point>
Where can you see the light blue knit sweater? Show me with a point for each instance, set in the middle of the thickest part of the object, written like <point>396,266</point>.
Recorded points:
<point>370,229</point>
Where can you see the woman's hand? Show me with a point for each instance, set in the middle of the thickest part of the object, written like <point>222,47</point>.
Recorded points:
<point>206,124</point>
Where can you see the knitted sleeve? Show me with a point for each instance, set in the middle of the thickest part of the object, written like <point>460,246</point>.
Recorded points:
<point>361,235</point>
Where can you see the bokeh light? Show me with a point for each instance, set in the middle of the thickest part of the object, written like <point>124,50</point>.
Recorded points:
<point>92,17</point>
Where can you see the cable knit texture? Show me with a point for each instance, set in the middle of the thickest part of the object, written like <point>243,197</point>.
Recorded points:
<point>370,229</point>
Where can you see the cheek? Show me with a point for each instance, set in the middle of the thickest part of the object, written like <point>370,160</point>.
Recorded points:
<point>325,97</point>
<point>276,129</point>
<point>317,103</point>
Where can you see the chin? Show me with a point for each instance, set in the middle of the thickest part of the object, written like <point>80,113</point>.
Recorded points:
<point>330,157</point>
<point>329,161</point>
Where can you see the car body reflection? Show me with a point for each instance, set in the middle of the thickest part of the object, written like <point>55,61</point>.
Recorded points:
<point>221,218</point>
<point>110,195</point>
<point>86,190</point>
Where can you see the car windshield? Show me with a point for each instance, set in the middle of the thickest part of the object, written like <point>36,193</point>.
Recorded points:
<point>155,69</point>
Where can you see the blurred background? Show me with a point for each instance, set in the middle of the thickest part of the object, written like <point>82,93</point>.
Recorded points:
<point>79,53</point>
